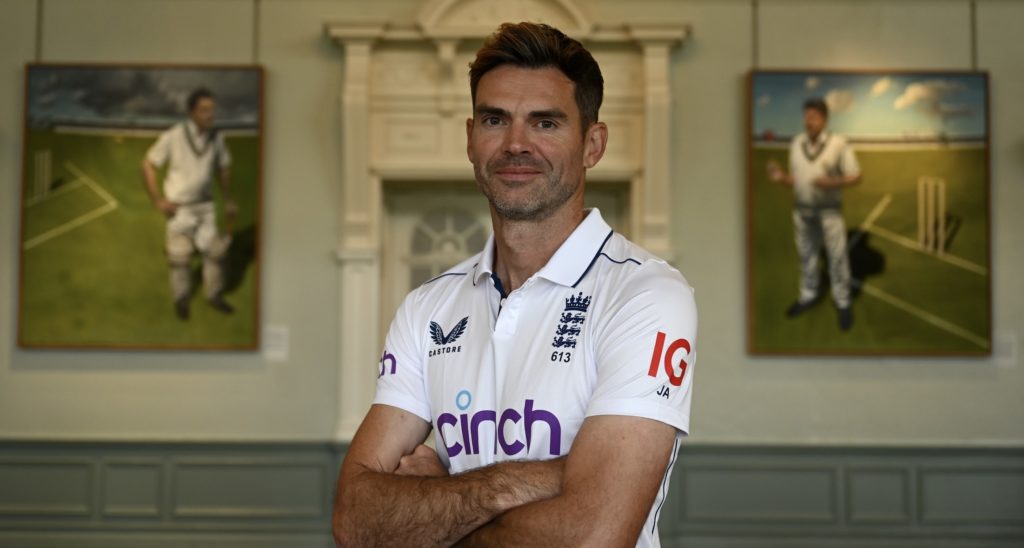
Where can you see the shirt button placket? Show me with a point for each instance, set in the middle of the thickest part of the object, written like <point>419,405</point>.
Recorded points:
<point>510,306</point>
<point>509,314</point>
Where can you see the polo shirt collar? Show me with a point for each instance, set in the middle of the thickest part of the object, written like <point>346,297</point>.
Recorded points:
<point>573,258</point>
<point>193,130</point>
<point>822,137</point>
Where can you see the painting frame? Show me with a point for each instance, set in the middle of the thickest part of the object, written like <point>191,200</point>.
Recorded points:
<point>94,260</point>
<point>917,216</point>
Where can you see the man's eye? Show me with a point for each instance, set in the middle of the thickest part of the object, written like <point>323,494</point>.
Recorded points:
<point>492,121</point>
<point>547,124</point>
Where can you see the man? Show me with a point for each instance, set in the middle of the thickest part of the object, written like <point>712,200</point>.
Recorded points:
<point>555,367</point>
<point>821,164</point>
<point>195,151</point>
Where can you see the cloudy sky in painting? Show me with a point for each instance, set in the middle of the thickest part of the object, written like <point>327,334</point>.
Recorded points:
<point>146,97</point>
<point>874,105</point>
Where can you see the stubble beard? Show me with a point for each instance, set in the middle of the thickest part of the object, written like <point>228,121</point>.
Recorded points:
<point>546,198</point>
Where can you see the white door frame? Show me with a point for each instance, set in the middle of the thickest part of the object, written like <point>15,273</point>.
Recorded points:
<point>404,103</point>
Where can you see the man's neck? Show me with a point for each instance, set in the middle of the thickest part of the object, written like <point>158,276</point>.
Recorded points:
<point>522,248</point>
<point>196,127</point>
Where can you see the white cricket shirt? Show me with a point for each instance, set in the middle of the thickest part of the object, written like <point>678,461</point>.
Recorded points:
<point>829,155</point>
<point>193,158</point>
<point>604,328</point>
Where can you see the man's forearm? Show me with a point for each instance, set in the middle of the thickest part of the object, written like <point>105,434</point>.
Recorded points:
<point>225,183</point>
<point>837,181</point>
<point>152,188</point>
<point>609,486</point>
<point>850,179</point>
<point>507,530</point>
<point>377,508</point>
<point>552,522</point>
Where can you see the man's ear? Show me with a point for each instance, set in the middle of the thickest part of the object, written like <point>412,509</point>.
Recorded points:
<point>594,143</point>
<point>469,140</point>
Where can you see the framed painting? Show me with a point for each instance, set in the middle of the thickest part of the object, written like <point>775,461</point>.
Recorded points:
<point>868,213</point>
<point>140,209</point>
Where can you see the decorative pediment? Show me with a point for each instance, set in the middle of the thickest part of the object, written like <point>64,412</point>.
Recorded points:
<point>475,18</point>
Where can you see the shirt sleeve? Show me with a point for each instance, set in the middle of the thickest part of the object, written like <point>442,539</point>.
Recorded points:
<point>223,154</point>
<point>848,161</point>
<point>160,150</point>
<point>400,381</point>
<point>647,349</point>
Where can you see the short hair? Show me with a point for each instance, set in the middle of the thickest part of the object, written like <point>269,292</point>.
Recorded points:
<point>535,46</point>
<point>818,104</point>
<point>196,95</point>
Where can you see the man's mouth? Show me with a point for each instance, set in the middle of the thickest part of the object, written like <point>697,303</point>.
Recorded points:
<point>517,173</point>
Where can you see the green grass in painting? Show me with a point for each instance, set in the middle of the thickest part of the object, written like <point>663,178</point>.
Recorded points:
<point>102,279</point>
<point>914,302</point>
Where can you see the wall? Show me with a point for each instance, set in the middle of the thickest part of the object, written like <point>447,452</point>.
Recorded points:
<point>137,395</point>
<point>869,486</point>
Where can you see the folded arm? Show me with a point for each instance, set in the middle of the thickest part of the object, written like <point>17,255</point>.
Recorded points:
<point>611,479</point>
<point>377,504</point>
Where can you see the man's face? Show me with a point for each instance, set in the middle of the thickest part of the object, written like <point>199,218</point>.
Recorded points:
<point>526,144</point>
<point>814,121</point>
<point>202,113</point>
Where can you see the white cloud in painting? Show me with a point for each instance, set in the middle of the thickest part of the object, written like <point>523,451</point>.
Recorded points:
<point>932,97</point>
<point>812,82</point>
<point>764,100</point>
<point>881,86</point>
<point>838,100</point>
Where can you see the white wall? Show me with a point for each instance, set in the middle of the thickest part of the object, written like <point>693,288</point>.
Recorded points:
<point>739,399</point>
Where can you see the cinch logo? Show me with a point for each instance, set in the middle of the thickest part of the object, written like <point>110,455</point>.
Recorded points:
<point>386,359</point>
<point>469,428</point>
<point>659,344</point>
<point>442,340</point>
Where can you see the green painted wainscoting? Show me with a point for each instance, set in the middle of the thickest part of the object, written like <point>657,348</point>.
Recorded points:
<point>262,495</point>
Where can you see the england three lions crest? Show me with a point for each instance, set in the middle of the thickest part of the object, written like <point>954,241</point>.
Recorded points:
<point>570,323</point>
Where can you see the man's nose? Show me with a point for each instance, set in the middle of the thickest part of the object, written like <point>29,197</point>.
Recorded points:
<point>517,139</point>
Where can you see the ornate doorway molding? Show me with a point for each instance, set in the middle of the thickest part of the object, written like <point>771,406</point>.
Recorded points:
<point>404,102</point>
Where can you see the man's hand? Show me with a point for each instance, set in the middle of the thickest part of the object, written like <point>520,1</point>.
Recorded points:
<point>167,207</point>
<point>775,173</point>
<point>422,462</point>
<point>230,209</point>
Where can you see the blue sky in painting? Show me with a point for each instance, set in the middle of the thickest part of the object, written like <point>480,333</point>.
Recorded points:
<point>138,96</point>
<point>874,105</point>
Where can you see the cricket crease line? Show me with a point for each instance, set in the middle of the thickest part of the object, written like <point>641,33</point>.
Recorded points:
<point>869,221</point>
<point>877,212</point>
<point>72,224</point>
<point>925,315</point>
<point>913,245</point>
<point>62,190</point>
<point>92,184</point>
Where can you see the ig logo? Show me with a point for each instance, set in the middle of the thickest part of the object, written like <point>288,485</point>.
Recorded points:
<point>656,359</point>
